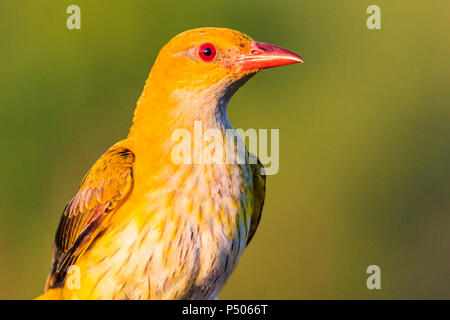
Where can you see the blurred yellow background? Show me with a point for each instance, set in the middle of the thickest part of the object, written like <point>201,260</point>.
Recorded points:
<point>364,135</point>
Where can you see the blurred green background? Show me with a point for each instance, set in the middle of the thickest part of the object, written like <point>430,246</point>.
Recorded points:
<point>364,135</point>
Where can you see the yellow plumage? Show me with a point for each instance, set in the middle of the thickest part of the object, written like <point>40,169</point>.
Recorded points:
<point>144,227</point>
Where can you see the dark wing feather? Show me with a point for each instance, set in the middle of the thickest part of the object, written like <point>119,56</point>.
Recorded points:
<point>259,193</point>
<point>102,191</point>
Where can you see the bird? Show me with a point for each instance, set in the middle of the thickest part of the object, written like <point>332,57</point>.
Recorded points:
<point>143,226</point>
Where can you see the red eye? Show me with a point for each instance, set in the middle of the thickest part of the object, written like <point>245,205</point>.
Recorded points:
<point>207,52</point>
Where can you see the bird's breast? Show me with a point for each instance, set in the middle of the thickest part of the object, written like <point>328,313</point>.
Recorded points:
<point>186,237</point>
<point>200,221</point>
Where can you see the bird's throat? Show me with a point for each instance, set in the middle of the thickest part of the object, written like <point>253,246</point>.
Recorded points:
<point>159,113</point>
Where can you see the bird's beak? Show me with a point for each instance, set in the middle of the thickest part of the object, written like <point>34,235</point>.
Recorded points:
<point>263,55</point>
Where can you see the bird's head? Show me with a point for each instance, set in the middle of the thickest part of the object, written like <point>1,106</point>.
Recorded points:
<point>206,56</point>
<point>197,72</point>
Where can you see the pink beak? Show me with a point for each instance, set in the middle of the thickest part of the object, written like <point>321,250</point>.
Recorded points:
<point>263,55</point>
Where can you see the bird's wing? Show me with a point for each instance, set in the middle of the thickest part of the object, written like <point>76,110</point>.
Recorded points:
<point>259,193</point>
<point>102,191</point>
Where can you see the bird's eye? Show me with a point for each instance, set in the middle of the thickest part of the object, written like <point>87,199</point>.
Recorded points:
<point>207,52</point>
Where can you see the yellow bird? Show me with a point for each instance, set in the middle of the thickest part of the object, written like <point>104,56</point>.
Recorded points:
<point>144,225</point>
